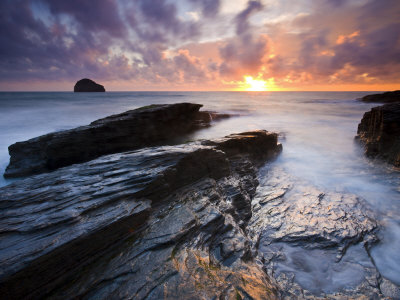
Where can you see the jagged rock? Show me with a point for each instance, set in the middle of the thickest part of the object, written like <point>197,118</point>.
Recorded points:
<point>147,126</point>
<point>313,241</point>
<point>389,289</point>
<point>388,97</point>
<point>379,132</point>
<point>163,222</point>
<point>88,85</point>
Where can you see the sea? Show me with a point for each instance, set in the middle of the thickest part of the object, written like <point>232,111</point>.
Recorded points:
<point>316,129</point>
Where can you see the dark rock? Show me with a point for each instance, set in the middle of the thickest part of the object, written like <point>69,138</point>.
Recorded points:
<point>379,132</point>
<point>87,85</point>
<point>143,127</point>
<point>388,97</point>
<point>310,239</point>
<point>158,223</point>
<point>238,143</point>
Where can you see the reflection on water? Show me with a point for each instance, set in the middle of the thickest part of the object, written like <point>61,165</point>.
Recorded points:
<point>316,129</point>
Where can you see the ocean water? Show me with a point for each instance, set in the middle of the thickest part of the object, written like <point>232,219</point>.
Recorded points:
<point>316,129</point>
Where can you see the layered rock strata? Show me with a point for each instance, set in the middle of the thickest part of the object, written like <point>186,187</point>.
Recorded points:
<point>379,132</point>
<point>158,223</point>
<point>147,126</point>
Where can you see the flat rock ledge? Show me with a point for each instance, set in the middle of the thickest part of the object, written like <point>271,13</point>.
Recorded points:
<point>151,125</point>
<point>379,133</point>
<point>310,239</point>
<point>387,97</point>
<point>164,222</point>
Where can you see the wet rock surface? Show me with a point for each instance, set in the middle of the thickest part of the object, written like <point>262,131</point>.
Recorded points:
<point>163,222</point>
<point>147,126</point>
<point>387,97</point>
<point>379,132</point>
<point>315,243</point>
<point>88,85</point>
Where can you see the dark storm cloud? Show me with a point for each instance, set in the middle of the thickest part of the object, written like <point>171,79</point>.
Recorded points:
<point>209,8</point>
<point>246,51</point>
<point>79,38</point>
<point>342,42</point>
<point>162,14</point>
<point>145,40</point>
<point>32,49</point>
<point>100,15</point>
<point>157,21</point>
<point>371,52</point>
<point>242,19</point>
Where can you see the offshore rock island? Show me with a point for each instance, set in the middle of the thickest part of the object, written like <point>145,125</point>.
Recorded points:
<point>88,85</point>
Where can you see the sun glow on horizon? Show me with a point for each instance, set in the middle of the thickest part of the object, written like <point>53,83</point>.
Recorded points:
<point>254,85</point>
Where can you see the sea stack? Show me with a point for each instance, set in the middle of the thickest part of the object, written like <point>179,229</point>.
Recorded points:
<point>88,85</point>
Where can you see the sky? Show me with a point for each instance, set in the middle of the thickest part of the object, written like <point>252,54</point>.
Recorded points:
<point>200,45</point>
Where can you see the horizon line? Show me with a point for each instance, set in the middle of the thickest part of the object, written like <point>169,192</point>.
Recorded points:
<point>187,91</point>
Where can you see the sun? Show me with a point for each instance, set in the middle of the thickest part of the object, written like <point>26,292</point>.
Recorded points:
<point>254,85</point>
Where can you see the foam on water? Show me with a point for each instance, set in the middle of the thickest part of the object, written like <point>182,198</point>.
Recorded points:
<point>316,129</point>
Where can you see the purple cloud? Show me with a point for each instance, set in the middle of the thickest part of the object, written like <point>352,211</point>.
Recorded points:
<point>100,15</point>
<point>145,41</point>
<point>209,8</point>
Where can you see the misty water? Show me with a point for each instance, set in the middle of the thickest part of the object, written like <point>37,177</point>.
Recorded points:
<point>316,129</point>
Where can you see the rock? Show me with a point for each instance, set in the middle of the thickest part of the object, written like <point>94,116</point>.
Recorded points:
<point>389,289</point>
<point>310,217</point>
<point>388,97</point>
<point>379,132</point>
<point>147,126</point>
<point>161,222</point>
<point>88,85</point>
<point>314,242</point>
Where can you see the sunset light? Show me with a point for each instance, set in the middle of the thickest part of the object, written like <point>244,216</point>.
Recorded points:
<point>161,149</point>
<point>254,85</point>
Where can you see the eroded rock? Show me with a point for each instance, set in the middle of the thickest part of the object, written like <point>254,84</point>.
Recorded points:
<point>143,127</point>
<point>379,132</point>
<point>314,242</point>
<point>164,222</point>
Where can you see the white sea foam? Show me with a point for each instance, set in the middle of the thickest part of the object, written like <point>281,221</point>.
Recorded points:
<point>317,132</point>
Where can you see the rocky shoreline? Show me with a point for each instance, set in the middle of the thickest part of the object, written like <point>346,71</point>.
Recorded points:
<point>161,222</point>
<point>148,218</point>
<point>152,125</point>
<point>387,97</point>
<point>379,133</point>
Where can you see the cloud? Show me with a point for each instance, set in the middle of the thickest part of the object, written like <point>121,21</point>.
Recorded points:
<point>242,19</point>
<point>209,8</point>
<point>155,42</point>
<point>338,42</point>
<point>100,15</point>
<point>246,51</point>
